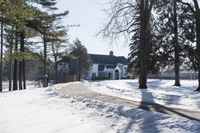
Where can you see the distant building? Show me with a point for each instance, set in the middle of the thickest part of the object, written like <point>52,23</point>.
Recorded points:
<point>63,71</point>
<point>107,67</point>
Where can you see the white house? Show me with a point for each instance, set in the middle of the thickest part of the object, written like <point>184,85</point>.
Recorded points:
<point>107,67</point>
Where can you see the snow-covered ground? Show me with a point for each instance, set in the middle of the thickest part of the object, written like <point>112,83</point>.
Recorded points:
<point>162,92</point>
<point>46,110</point>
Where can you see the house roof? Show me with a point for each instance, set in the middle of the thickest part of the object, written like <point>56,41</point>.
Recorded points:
<point>111,66</point>
<point>108,59</point>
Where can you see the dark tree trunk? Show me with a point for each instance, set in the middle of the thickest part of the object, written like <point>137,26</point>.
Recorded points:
<point>145,41</point>
<point>45,78</point>
<point>20,75</point>
<point>56,70</point>
<point>143,65</point>
<point>79,76</point>
<point>23,60</point>
<point>1,57</point>
<point>56,65</point>
<point>24,73</point>
<point>197,17</point>
<point>79,70</point>
<point>176,46</point>
<point>15,71</point>
<point>10,60</point>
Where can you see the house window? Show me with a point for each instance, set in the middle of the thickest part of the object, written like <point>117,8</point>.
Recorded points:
<point>102,74</point>
<point>125,68</point>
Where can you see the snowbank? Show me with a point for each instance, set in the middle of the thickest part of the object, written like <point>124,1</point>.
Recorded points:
<point>47,110</point>
<point>161,92</point>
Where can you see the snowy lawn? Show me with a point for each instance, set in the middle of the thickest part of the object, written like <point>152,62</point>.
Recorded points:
<point>45,110</point>
<point>162,92</point>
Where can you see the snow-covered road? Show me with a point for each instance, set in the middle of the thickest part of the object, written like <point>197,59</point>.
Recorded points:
<point>82,90</point>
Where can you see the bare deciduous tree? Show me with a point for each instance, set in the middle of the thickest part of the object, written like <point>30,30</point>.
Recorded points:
<point>132,17</point>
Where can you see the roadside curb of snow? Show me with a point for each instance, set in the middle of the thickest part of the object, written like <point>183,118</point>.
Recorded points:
<point>113,110</point>
<point>159,98</point>
<point>97,104</point>
<point>88,103</point>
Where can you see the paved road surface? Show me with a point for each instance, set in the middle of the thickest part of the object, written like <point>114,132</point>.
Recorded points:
<point>79,89</point>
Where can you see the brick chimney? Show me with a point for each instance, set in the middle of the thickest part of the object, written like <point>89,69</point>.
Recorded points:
<point>111,53</point>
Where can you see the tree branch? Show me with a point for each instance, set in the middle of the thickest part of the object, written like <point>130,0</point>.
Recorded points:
<point>187,4</point>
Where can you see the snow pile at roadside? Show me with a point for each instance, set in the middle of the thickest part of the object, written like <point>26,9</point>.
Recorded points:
<point>161,92</point>
<point>126,119</point>
<point>40,110</point>
<point>47,110</point>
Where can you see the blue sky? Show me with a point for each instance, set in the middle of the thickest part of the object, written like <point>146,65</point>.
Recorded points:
<point>89,14</point>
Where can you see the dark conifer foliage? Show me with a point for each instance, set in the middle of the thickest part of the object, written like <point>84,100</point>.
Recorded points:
<point>27,21</point>
<point>81,64</point>
<point>195,9</point>
<point>176,31</point>
<point>154,55</point>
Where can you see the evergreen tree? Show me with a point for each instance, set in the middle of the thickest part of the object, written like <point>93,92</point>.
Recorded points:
<point>82,60</point>
<point>174,19</point>
<point>24,17</point>
<point>195,9</point>
<point>154,56</point>
<point>58,42</point>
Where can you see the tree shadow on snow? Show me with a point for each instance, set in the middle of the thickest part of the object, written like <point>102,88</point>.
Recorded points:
<point>150,122</point>
<point>146,123</point>
<point>152,106</point>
